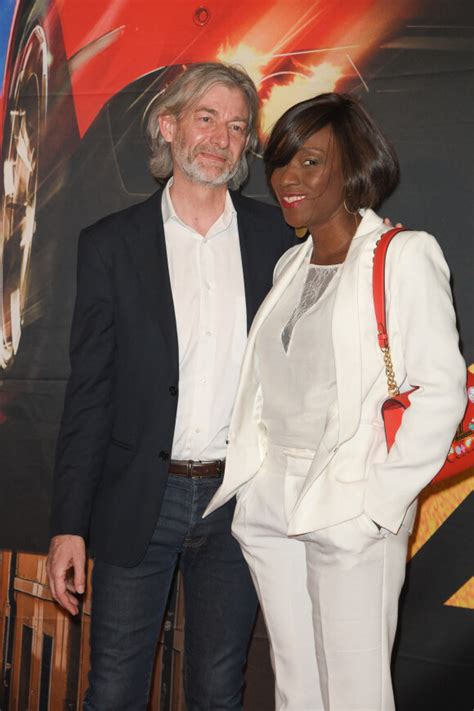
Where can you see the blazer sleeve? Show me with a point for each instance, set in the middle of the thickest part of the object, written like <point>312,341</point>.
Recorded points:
<point>86,422</point>
<point>421,302</point>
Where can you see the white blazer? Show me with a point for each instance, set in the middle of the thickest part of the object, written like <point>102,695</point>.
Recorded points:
<point>351,472</point>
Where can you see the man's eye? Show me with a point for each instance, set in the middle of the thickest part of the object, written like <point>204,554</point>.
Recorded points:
<point>310,161</point>
<point>238,129</point>
<point>205,119</point>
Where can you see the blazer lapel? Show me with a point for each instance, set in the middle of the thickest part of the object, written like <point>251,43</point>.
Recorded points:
<point>147,246</point>
<point>347,358</point>
<point>346,345</point>
<point>346,328</point>
<point>346,348</point>
<point>244,456</point>
<point>248,227</point>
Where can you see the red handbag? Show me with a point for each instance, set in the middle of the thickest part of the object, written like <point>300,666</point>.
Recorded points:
<point>461,453</point>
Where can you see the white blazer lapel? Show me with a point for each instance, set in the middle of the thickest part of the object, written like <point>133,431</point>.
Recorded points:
<point>347,353</point>
<point>346,344</point>
<point>242,454</point>
<point>346,347</point>
<point>346,327</point>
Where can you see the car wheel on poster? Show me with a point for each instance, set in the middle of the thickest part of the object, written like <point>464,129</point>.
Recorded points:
<point>24,127</point>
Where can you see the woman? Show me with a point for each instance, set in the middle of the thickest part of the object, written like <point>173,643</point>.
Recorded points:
<point>324,513</point>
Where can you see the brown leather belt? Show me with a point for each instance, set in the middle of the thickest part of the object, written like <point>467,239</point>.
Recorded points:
<point>212,469</point>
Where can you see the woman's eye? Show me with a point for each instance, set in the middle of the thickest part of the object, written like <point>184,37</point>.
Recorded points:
<point>310,161</point>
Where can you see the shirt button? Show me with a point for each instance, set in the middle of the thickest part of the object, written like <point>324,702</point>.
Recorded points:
<point>173,390</point>
<point>164,455</point>
<point>197,430</point>
<point>204,381</point>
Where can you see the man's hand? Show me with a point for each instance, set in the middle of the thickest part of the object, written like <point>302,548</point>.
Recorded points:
<point>387,221</point>
<point>66,568</point>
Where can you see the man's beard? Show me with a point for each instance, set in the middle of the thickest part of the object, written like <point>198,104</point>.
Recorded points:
<point>199,174</point>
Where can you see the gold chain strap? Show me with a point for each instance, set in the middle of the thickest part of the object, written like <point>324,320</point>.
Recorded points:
<point>387,358</point>
<point>389,372</point>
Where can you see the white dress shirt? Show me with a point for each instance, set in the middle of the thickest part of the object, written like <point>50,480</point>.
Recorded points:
<point>207,284</point>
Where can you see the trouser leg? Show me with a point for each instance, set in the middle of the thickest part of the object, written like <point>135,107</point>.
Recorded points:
<point>220,608</point>
<point>355,575</point>
<point>127,611</point>
<point>278,567</point>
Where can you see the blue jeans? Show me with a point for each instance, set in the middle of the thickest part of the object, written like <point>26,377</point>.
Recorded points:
<point>128,605</point>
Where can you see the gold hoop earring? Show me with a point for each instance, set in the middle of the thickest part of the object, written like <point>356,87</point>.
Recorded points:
<point>301,232</point>
<point>347,209</point>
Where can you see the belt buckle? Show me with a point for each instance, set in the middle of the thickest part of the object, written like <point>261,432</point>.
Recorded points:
<point>189,468</point>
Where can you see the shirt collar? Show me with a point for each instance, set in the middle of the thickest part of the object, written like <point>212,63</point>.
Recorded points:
<point>370,222</point>
<point>221,224</point>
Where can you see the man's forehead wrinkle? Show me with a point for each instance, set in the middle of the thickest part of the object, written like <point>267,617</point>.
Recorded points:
<point>206,108</point>
<point>216,112</point>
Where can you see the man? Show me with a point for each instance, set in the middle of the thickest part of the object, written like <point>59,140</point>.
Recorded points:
<point>165,294</point>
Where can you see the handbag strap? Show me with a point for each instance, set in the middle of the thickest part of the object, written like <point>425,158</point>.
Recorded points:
<point>378,289</point>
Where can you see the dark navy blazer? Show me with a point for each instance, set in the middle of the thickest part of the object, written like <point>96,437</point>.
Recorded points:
<point>120,407</point>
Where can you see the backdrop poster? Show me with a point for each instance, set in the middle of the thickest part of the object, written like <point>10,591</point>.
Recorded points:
<point>76,81</point>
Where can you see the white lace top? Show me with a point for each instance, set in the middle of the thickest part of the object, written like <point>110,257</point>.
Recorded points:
<point>317,280</point>
<point>295,360</point>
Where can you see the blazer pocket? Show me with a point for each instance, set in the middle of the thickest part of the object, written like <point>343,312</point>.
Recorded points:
<point>123,445</point>
<point>352,460</point>
<point>118,460</point>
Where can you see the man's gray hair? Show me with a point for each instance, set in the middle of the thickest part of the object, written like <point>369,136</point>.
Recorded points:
<point>184,92</point>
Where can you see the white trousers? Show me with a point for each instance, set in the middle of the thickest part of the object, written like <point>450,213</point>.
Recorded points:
<point>329,598</point>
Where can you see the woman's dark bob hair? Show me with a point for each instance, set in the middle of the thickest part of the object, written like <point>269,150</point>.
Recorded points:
<point>369,162</point>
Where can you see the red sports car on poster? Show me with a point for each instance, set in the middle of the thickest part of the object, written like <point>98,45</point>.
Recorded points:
<point>72,67</point>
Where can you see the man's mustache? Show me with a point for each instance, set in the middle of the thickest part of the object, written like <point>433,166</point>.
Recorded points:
<point>212,151</point>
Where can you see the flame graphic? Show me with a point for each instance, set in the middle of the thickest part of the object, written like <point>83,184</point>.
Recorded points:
<point>253,60</point>
<point>294,51</point>
<point>302,85</point>
<point>281,89</point>
<point>437,503</point>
